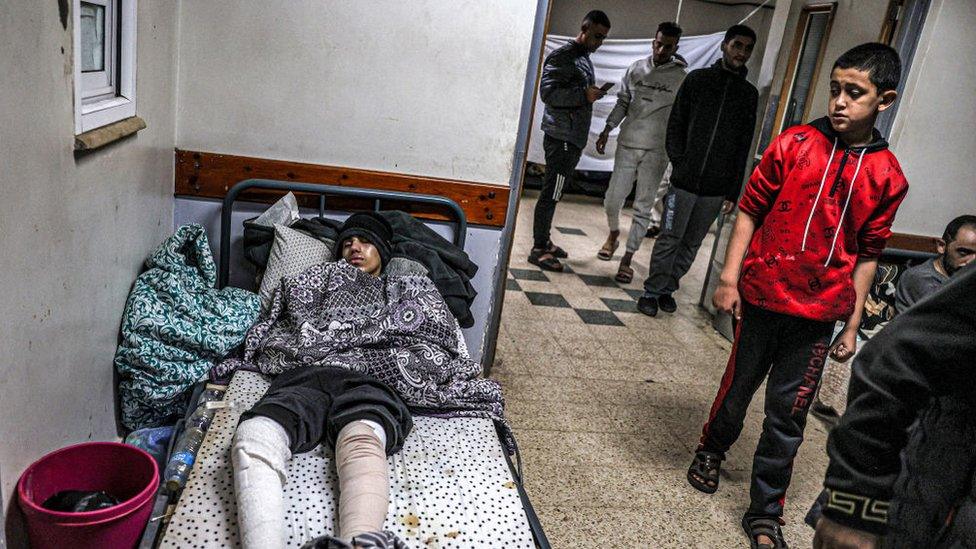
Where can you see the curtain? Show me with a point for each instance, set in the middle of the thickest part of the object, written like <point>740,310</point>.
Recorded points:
<point>609,63</point>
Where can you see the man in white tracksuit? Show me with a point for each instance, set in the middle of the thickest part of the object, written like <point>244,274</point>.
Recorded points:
<point>643,105</point>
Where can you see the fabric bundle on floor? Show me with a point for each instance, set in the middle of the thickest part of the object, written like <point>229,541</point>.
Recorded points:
<point>397,329</point>
<point>176,325</point>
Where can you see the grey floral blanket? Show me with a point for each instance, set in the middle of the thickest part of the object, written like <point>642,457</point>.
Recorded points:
<point>395,328</point>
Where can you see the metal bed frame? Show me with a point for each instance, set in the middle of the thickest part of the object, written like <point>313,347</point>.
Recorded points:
<point>378,196</point>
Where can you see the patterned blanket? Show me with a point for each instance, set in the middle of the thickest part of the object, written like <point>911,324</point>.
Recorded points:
<point>175,326</point>
<point>395,328</point>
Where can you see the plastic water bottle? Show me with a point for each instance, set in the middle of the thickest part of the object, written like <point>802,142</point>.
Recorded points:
<point>178,469</point>
<point>191,439</point>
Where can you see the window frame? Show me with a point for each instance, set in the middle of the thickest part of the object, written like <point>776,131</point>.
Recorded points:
<point>98,85</point>
<point>118,101</point>
<point>799,46</point>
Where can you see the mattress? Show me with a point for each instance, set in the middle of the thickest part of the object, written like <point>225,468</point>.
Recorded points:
<point>450,486</point>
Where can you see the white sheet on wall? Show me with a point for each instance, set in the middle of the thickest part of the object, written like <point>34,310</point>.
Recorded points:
<point>610,62</point>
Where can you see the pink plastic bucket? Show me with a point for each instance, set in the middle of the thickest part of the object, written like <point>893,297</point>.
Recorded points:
<point>124,471</point>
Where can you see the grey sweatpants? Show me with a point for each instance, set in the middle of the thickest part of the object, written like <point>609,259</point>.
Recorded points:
<point>687,218</point>
<point>647,167</point>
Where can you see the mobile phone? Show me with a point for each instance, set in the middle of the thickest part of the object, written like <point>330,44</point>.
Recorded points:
<point>606,86</point>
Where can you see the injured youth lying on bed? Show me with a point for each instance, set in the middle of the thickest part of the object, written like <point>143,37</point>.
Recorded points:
<point>355,355</point>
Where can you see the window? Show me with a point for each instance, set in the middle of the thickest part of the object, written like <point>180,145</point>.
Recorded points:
<point>804,65</point>
<point>105,62</point>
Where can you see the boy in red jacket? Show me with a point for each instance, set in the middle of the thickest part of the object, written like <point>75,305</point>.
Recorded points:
<point>813,220</point>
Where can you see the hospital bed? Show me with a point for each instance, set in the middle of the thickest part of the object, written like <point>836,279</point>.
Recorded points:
<point>452,485</point>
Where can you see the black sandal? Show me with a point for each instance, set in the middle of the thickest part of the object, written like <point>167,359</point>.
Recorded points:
<point>545,260</point>
<point>764,526</point>
<point>707,466</point>
<point>556,251</point>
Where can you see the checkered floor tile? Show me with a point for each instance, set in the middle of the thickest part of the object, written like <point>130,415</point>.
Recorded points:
<point>620,305</point>
<point>570,230</point>
<point>546,299</point>
<point>598,317</point>
<point>602,318</point>
<point>598,280</point>
<point>529,274</point>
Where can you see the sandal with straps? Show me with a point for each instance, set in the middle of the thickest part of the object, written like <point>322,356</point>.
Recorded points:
<point>624,274</point>
<point>704,471</point>
<point>606,252</point>
<point>556,251</point>
<point>545,260</point>
<point>764,526</point>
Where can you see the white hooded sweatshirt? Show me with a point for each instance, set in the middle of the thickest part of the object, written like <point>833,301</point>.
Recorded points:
<point>644,102</point>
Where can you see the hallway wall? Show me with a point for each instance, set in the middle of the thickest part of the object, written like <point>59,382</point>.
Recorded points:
<point>933,135</point>
<point>426,88</point>
<point>76,230</point>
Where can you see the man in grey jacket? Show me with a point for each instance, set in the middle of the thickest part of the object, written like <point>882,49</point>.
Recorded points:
<point>568,90</point>
<point>643,105</point>
<point>957,248</point>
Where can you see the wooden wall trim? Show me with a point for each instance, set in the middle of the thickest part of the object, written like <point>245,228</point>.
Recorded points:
<point>913,242</point>
<point>211,175</point>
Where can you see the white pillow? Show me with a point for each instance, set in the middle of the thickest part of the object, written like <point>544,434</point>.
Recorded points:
<point>291,253</point>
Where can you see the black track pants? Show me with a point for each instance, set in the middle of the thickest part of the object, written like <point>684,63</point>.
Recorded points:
<point>792,352</point>
<point>561,160</point>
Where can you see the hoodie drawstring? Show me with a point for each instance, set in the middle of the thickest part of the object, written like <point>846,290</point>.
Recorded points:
<point>823,180</point>
<point>846,203</point>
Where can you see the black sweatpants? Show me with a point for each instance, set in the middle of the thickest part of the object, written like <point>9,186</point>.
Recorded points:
<point>791,351</point>
<point>561,160</point>
<point>314,403</point>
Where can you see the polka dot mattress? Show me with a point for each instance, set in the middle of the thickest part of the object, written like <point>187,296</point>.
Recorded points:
<point>450,486</point>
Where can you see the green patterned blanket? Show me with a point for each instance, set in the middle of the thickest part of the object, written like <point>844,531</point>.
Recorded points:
<point>175,326</point>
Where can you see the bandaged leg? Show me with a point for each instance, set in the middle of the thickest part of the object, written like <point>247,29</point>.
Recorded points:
<point>259,454</point>
<point>364,485</point>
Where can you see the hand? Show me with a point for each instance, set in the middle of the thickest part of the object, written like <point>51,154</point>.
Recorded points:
<point>844,346</point>
<point>601,142</point>
<point>728,206</point>
<point>593,93</point>
<point>727,300</point>
<point>831,535</point>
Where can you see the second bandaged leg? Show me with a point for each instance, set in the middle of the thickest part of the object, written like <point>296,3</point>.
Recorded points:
<point>364,484</point>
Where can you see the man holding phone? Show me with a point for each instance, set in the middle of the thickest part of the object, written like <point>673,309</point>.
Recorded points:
<point>643,105</point>
<point>568,89</point>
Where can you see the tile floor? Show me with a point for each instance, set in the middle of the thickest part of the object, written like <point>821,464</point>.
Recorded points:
<point>607,403</point>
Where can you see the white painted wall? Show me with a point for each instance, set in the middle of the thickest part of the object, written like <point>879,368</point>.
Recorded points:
<point>75,231</point>
<point>933,133</point>
<point>425,87</point>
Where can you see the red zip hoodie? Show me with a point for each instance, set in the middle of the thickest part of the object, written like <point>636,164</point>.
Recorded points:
<point>820,205</point>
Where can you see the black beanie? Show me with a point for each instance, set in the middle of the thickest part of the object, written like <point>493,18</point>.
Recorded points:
<point>371,226</point>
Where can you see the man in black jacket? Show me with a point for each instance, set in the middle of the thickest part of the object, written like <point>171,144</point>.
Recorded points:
<point>920,367</point>
<point>568,90</point>
<point>709,133</point>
